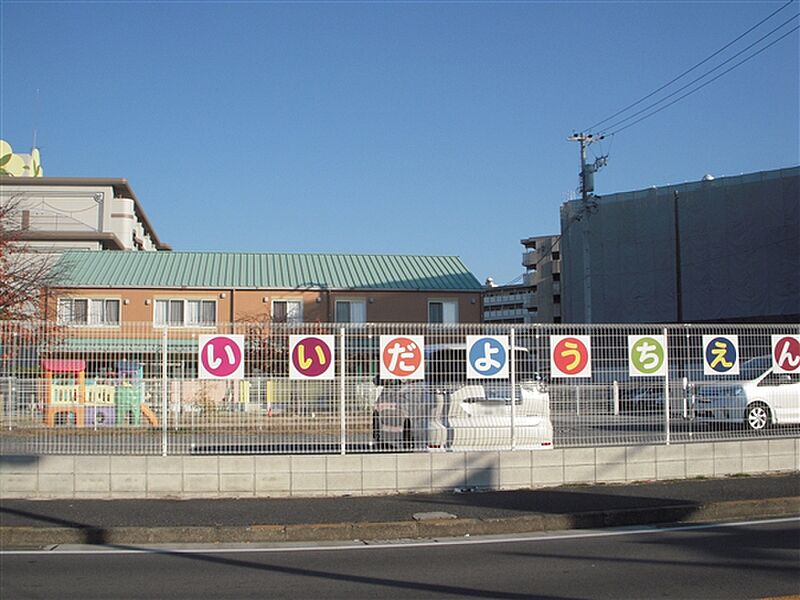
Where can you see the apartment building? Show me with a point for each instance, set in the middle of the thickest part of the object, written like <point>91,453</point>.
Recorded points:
<point>54,214</point>
<point>542,262</point>
<point>538,298</point>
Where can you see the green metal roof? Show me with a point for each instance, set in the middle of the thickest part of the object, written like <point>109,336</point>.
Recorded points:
<point>263,271</point>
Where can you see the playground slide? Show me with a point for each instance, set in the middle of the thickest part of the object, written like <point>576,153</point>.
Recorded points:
<point>150,415</point>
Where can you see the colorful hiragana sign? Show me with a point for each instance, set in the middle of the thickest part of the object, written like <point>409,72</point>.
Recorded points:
<point>570,356</point>
<point>311,357</point>
<point>647,355</point>
<point>402,357</point>
<point>786,353</point>
<point>721,354</point>
<point>220,356</point>
<point>487,357</point>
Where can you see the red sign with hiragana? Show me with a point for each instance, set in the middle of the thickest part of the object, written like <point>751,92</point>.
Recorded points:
<point>402,357</point>
<point>786,353</point>
<point>570,356</point>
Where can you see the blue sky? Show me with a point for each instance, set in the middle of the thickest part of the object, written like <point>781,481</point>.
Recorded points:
<point>386,127</point>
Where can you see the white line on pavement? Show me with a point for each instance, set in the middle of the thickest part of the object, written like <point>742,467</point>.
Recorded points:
<point>62,550</point>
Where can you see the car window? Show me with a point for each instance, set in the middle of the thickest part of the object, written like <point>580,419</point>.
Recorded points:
<point>755,367</point>
<point>779,379</point>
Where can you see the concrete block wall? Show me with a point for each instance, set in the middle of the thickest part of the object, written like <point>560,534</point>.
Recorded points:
<point>374,474</point>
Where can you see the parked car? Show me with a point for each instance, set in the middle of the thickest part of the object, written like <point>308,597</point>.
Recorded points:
<point>760,399</point>
<point>447,411</point>
<point>645,396</point>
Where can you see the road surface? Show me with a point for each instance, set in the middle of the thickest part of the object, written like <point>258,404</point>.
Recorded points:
<point>726,560</point>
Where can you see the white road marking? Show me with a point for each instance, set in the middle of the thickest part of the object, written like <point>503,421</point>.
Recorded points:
<point>62,550</point>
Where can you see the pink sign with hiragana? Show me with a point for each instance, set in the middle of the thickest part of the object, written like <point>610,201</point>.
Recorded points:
<point>220,356</point>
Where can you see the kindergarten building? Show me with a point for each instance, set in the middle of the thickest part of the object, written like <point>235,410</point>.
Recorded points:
<point>205,290</point>
<point>124,324</point>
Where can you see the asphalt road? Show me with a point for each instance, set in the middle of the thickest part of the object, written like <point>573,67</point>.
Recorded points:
<point>245,512</point>
<point>742,560</point>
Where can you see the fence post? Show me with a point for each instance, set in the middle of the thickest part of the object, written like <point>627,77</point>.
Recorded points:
<point>164,389</point>
<point>513,370</point>
<point>666,390</point>
<point>342,389</point>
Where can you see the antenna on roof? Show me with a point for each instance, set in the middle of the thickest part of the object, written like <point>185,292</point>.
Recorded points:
<point>35,117</point>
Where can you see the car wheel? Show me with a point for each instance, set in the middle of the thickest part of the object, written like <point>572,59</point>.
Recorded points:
<point>376,427</point>
<point>408,438</point>
<point>757,416</point>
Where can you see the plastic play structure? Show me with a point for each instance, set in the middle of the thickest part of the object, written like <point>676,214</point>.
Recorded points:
<point>70,399</point>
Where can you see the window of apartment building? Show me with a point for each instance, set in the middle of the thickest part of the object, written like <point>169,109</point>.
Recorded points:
<point>287,311</point>
<point>555,255</point>
<point>442,311</point>
<point>88,311</point>
<point>557,299</point>
<point>351,311</point>
<point>556,276</point>
<point>185,313</point>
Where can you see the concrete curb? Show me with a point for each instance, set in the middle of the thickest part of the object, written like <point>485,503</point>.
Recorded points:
<point>439,528</point>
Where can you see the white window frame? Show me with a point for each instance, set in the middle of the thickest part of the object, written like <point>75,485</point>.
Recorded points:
<point>185,313</point>
<point>445,302</point>
<point>297,318</point>
<point>65,315</point>
<point>351,302</point>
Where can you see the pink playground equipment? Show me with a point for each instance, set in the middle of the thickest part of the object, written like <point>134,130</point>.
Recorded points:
<point>65,392</point>
<point>72,400</point>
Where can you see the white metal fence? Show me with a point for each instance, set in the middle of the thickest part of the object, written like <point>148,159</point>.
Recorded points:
<point>349,388</point>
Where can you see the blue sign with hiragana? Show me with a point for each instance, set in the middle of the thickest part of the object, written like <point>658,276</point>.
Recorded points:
<point>487,357</point>
<point>721,354</point>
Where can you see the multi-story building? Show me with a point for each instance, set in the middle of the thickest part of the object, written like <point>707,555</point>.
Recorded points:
<point>505,303</point>
<point>53,214</point>
<point>542,262</point>
<point>715,250</point>
<point>538,298</point>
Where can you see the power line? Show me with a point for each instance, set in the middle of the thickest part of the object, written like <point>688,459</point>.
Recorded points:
<point>702,62</point>
<point>680,89</point>
<point>698,88</point>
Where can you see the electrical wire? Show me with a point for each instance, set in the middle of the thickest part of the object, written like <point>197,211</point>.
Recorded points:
<point>699,64</point>
<point>680,89</point>
<point>698,88</point>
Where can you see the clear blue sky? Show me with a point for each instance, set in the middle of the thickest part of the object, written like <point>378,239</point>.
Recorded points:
<point>395,127</point>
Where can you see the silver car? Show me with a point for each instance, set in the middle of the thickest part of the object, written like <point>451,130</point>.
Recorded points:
<point>760,399</point>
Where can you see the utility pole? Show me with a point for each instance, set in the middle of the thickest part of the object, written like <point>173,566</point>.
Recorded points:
<point>587,199</point>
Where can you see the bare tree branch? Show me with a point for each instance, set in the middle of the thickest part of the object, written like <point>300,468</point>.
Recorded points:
<point>24,274</point>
